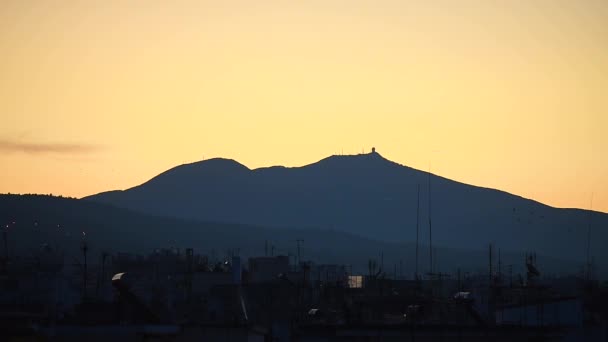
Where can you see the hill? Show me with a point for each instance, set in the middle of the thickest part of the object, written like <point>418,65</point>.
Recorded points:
<point>369,196</point>
<point>60,223</point>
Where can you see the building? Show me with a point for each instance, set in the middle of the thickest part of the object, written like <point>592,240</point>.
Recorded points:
<point>267,269</point>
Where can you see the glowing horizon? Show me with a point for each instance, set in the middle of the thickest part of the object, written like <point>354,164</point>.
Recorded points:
<point>96,96</point>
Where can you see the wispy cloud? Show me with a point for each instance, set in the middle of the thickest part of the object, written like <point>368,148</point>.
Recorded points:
<point>46,148</point>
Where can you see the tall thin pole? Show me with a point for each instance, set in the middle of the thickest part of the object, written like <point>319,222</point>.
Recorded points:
<point>588,251</point>
<point>589,240</point>
<point>5,236</point>
<point>430,226</point>
<point>499,267</point>
<point>490,270</point>
<point>84,248</point>
<point>417,228</point>
<point>85,269</point>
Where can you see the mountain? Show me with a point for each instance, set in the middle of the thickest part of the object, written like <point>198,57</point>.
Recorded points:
<point>369,196</point>
<point>60,222</point>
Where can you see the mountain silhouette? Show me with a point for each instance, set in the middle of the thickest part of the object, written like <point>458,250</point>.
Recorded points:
<point>369,196</point>
<point>59,223</point>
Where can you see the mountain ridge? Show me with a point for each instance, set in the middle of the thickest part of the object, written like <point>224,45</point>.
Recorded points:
<point>56,222</point>
<point>366,195</point>
<point>204,162</point>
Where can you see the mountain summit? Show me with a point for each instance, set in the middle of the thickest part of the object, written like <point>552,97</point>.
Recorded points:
<point>366,195</point>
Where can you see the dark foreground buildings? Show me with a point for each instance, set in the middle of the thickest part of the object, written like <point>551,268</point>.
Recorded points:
<point>173,295</point>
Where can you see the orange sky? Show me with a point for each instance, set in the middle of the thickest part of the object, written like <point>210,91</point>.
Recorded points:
<point>99,95</point>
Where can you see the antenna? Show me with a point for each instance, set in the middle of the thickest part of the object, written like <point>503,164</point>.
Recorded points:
<point>5,236</point>
<point>589,239</point>
<point>189,271</point>
<point>499,267</point>
<point>417,228</point>
<point>490,273</point>
<point>85,248</point>
<point>430,226</point>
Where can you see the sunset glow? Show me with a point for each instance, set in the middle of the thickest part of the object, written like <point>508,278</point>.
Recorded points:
<point>102,95</point>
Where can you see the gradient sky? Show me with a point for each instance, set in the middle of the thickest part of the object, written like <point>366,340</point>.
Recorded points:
<point>99,95</point>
